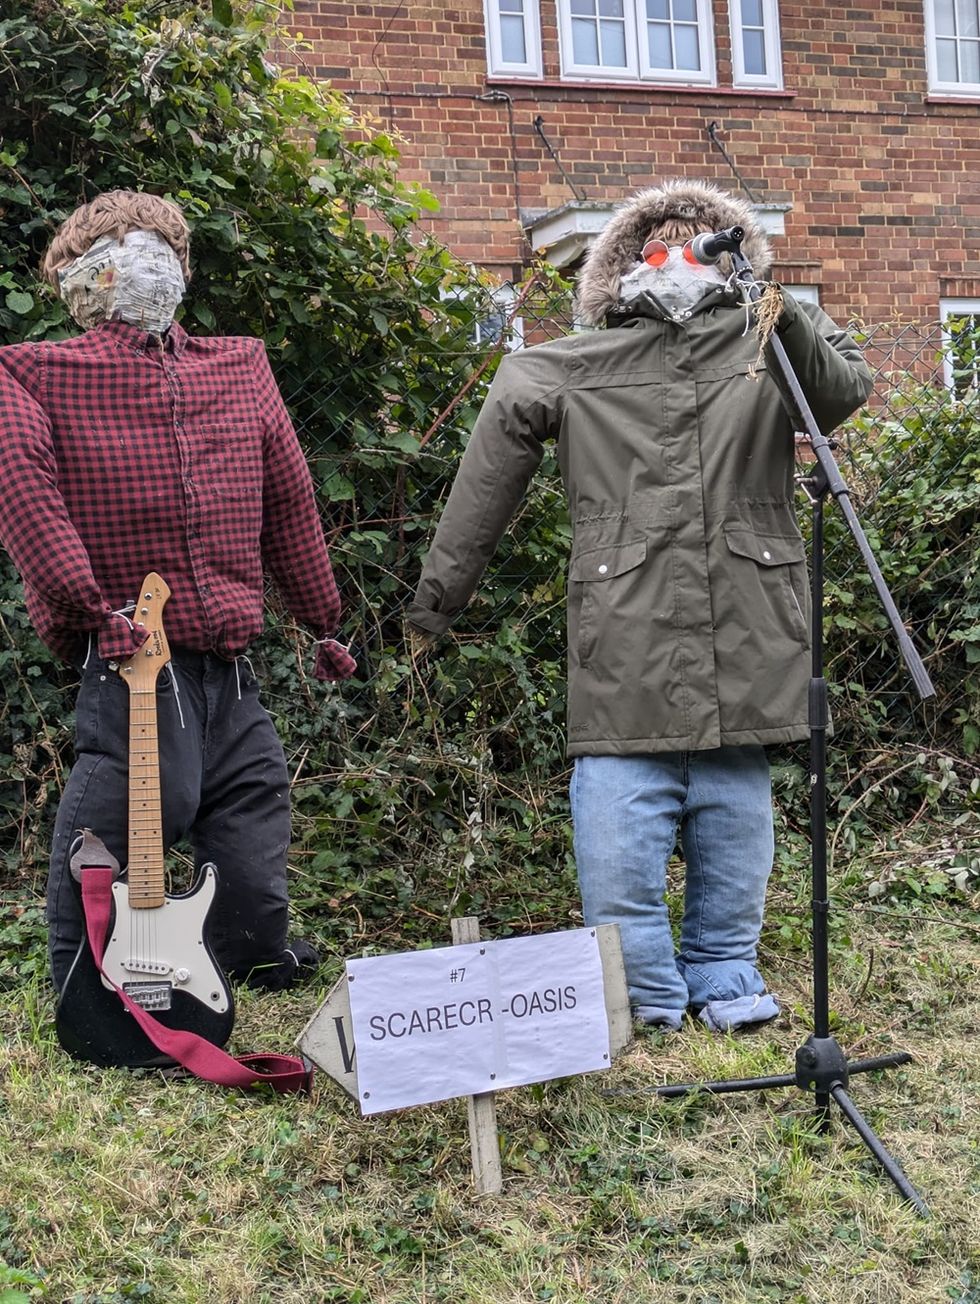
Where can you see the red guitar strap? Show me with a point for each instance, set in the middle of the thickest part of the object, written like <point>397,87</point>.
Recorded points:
<point>199,1056</point>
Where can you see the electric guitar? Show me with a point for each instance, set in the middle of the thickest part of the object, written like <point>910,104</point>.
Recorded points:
<point>157,947</point>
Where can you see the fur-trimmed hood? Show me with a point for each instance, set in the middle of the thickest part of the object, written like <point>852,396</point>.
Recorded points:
<point>617,249</point>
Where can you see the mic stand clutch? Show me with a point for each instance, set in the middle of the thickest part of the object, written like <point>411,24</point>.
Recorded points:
<point>821,1065</point>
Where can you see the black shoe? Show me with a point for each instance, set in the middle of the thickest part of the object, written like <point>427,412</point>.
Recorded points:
<point>299,961</point>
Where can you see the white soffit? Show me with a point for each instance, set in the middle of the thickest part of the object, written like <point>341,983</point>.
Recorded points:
<point>564,234</point>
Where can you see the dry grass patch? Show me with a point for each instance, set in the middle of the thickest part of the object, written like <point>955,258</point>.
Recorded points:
<point>124,1186</point>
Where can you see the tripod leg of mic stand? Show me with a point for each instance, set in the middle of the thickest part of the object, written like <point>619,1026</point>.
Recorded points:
<point>854,1116</point>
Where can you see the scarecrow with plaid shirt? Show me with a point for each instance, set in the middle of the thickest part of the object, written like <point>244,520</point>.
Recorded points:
<point>135,447</point>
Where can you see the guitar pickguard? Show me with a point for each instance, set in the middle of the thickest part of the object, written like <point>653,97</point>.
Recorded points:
<point>163,947</point>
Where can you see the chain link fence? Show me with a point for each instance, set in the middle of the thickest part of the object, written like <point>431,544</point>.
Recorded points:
<point>443,779</point>
<point>898,456</point>
<point>437,784</point>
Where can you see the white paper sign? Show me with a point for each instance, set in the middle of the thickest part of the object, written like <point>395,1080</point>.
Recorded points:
<point>462,1020</point>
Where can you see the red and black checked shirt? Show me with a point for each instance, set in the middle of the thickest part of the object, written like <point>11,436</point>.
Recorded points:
<point>121,454</point>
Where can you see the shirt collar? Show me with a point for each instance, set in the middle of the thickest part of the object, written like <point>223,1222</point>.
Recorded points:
<point>140,341</point>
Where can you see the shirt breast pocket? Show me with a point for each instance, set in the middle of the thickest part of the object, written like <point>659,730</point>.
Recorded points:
<point>227,461</point>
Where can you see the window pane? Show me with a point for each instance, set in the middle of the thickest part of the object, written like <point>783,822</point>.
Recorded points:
<point>945,25</point>
<point>658,8</point>
<point>611,8</point>
<point>511,6</point>
<point>660,53</point>
<point>970,61</point>
<point>686,48</point>
<point>613,45</point>
<point>966,18</point>
<point>512,45</point>
<point>946,61</point>
<point>685,11</point>
<point>585,45</point>
<point>754,53</point>
<point>752,13</point>
<point>583,7</point>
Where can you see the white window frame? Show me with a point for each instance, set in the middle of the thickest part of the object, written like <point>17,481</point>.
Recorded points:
<point>957,308</point>
<point>967,89</point>
<point>637,66</point>
<point>504,298</point>
<point>808,293</point>
<point>773,79</point>
<point>497,65</point>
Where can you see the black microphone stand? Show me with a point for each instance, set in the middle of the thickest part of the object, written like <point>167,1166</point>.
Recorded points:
<point>821,1064</point>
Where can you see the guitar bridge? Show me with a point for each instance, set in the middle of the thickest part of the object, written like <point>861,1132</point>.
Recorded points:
<point>149,996</point>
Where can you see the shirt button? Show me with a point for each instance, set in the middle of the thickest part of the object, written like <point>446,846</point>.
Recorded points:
<point>603,569</point>
<point>205,590</point>
<point>768,556</point>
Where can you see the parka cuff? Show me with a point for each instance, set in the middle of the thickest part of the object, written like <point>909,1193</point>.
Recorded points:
<point>433,622</point>
<point>789,314</point>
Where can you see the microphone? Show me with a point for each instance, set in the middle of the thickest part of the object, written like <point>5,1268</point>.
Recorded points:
<point>709,246</point>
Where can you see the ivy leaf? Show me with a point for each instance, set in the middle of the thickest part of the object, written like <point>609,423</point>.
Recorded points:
<point>20,301</point>
<point>221,12</point>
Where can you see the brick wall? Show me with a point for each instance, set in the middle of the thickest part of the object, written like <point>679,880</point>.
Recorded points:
<point>884,179</point>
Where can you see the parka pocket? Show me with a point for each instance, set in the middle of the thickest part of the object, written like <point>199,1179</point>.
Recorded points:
<point>778,600</point>
<point>597,602</point>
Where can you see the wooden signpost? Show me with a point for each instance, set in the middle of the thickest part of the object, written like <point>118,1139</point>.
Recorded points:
<point>432,1025</point>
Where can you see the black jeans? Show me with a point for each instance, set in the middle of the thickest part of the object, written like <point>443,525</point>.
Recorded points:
<point>224,788</point>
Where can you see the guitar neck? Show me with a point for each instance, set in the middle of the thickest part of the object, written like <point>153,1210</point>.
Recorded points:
<point>145,853</point>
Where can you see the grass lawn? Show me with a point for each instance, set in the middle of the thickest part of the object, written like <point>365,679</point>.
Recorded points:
<point>117,1186</point>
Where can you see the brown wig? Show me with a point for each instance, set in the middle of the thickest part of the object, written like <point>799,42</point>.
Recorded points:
<point>116,213</point>
<point>677,231</point>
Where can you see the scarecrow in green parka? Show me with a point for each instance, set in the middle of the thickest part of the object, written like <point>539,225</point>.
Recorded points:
<point>688,601</point>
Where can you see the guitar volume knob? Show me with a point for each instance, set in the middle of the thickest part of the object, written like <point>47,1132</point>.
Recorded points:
<point>181,975</point>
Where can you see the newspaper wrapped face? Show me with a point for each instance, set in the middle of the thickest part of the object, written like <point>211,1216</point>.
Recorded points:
<point>138,281</point>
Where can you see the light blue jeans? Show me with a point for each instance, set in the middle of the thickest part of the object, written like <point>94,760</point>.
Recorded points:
<point>627,811</point>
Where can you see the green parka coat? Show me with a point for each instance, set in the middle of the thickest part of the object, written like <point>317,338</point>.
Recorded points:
<point>688,600</point>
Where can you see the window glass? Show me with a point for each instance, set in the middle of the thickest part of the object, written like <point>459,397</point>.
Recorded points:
<point>970,61</point>
<point>660,52</point>
<point>512,41</point>
<point>967,18</point>
<point>754,49</point>
<point>613,45</point>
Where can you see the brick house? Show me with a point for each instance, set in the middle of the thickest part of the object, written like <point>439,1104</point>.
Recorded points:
<point>854,129</point>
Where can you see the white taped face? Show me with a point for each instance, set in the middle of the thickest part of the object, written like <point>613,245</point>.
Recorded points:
<point>138,281</point>
<point>677,284</point>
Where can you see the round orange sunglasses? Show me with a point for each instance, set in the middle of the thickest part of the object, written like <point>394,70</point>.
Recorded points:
<point>656,253</point>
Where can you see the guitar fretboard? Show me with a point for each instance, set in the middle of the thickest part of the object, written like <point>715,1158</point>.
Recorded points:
<point>145,853</point>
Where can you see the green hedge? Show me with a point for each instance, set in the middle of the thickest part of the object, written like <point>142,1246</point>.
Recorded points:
<point>435,788</point>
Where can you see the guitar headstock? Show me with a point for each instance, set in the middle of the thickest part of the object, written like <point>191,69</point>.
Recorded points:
<point>141,669</point>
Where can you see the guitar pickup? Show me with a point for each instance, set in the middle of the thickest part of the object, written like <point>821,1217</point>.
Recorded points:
<point>149,996</point>
<point>146,966</point>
